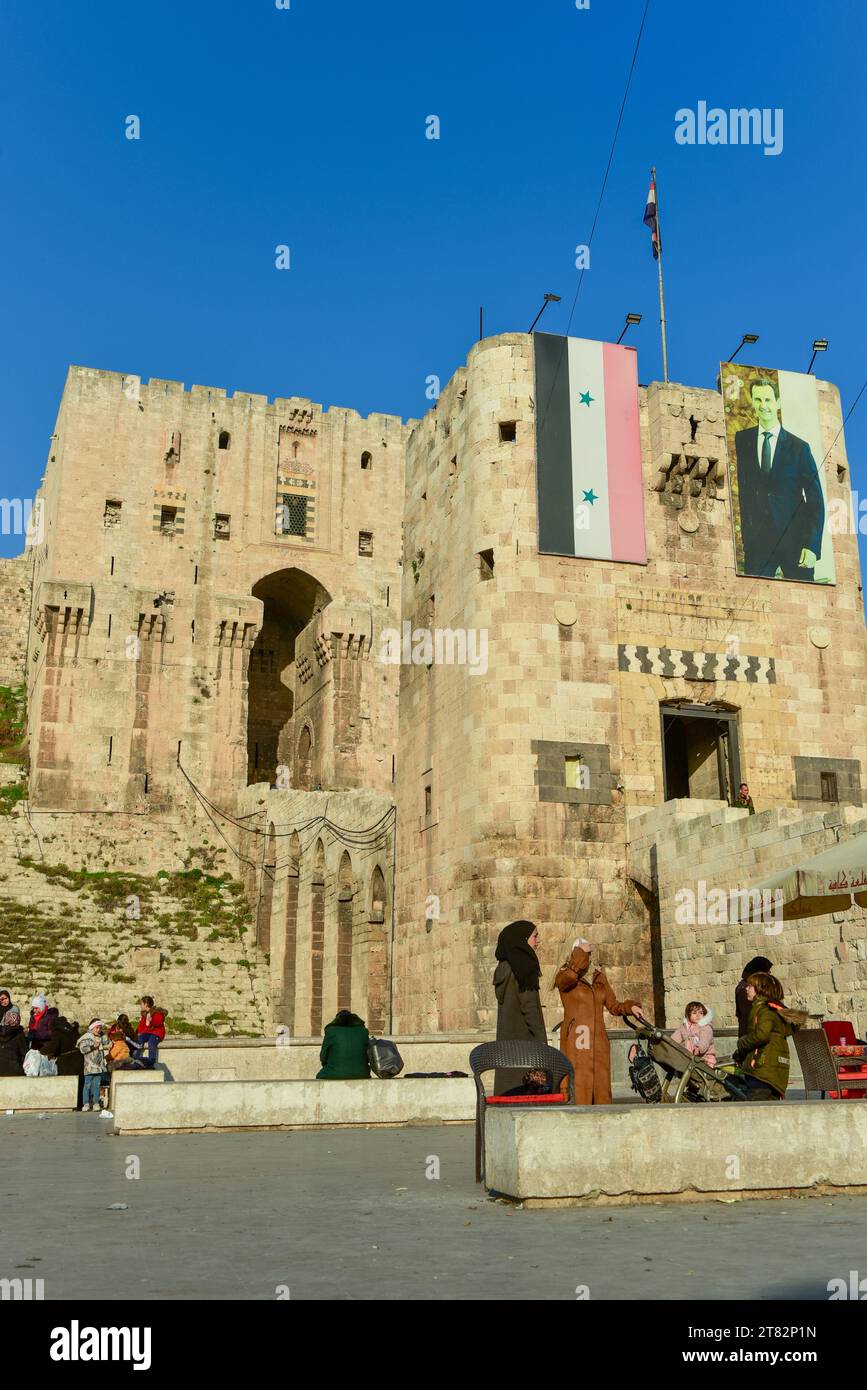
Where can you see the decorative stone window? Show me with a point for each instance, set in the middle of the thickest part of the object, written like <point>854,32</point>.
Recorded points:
<point>294,515</point>
<point>111,515</point>
<point>366,460</point>
<point>168,520</point>
<point>173,447</point>
<point>224,440</point>
<point>365,542</point>
<point>508,431</point>
<point>486,564</point>
<point>222,526</point>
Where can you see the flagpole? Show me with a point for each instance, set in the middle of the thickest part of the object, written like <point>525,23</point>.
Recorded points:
<point>661,293</point>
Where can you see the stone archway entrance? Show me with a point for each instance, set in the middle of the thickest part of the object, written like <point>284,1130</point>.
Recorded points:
<point>290,598</point>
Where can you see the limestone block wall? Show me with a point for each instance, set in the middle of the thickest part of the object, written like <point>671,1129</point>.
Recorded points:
<point>486,843</point>
<point>821,961</point>
<point>15,577</point>
<point>166,570</point>
<point>318,869</point>
<point>580,655</point>
<point>97,910</point>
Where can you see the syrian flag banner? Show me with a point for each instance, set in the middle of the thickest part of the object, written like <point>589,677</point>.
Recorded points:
<point>589,484</point>
<point>651,220</point>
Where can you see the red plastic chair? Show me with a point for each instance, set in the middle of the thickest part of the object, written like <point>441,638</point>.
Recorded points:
<point>840,1033</point>
<point>841,1037</point>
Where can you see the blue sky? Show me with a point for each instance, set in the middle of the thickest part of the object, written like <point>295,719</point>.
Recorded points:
<point>306,127</point>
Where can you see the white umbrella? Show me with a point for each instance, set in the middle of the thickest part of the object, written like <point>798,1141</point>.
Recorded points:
<point>827,882</point>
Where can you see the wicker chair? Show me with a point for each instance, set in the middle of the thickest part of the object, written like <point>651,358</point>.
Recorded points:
<point>511,1053</point>
<point>823,1071</point>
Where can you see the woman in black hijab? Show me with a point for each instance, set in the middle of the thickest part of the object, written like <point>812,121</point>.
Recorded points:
<point>516,985</point>
<point>742,1003</point>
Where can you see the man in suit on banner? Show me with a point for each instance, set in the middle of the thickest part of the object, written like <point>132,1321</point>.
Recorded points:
<point>781,504</point>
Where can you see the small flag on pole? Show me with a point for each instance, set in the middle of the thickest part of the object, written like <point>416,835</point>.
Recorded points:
<point>651,220</point>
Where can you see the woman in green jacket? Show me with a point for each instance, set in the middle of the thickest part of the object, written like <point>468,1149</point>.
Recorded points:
<point>344,1049</point>
<point>762,1052</point>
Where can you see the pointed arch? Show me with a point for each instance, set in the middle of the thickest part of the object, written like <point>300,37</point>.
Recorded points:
<point>290,946</point>
<point>377,952</point>
<point>317,937</point>
<point>345,909</point>
<point>290,597</point>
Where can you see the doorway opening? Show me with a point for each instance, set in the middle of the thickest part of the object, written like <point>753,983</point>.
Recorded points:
<point>700,753</point>
<point>290,598</point>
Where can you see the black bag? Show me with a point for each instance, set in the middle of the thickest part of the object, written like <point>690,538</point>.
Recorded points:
<point>643,1076</point>
<point>384,1058</point>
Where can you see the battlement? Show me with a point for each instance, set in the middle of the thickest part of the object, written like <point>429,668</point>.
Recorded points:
<point>94,380</point>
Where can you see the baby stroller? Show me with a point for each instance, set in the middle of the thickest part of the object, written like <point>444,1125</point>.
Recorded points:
<point>686,1077</point>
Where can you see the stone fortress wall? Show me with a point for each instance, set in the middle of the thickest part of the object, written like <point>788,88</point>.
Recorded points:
<point>194,661</point>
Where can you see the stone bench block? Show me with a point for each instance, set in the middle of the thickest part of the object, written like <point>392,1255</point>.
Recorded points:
<point>38,1093</point>
<point>622,1153</point>
<point>199,1105</point>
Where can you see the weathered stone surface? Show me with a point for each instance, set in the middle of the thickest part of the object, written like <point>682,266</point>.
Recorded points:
<point>199,668</point>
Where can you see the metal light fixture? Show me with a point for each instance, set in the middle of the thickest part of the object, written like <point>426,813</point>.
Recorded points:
<point>819,345</point>
<point>747,338</point>
<point>549,299</point>
<point>630,319</point>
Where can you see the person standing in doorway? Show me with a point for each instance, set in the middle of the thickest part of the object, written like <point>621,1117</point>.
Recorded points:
<point>743,801</point>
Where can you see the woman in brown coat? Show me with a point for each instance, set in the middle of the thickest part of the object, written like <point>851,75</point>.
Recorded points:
<point>583,1038</point>
<point>516,985</point>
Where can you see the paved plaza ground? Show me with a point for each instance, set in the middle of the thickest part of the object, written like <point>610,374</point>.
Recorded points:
<point>351,1214</point>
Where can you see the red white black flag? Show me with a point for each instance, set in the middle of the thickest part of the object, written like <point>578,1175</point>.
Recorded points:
<point>651,220</point>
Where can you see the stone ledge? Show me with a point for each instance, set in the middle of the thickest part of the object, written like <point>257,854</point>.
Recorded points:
<point>580,1155</point>
<point>221,1105</point>
<point>38,1093</point>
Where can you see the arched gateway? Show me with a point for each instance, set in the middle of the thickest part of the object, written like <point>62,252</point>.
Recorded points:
<point>291,597</point>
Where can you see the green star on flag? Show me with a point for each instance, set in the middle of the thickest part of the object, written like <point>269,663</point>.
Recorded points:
<point>585,397</point>
<point>591,497</point>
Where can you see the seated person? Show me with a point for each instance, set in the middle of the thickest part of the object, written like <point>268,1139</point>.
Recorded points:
<point>344,1049</point>
<point>696,1034</point>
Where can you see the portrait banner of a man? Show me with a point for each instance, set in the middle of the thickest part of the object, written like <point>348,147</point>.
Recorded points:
<point>776,475</point>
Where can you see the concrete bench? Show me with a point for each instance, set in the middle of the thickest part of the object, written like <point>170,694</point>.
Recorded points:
<point>38,1093</point>
<point>627,1153</point>
<point>215,1105</point>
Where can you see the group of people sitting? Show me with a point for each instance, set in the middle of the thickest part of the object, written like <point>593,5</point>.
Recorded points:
<point>765,1024</point>
<point>51,1045</point>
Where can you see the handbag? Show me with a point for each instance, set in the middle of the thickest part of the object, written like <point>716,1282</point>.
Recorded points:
<point>643,1076</point>
<point>384,1058</point>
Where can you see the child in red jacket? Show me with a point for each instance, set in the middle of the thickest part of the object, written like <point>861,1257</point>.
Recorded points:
<point>150,1032</point>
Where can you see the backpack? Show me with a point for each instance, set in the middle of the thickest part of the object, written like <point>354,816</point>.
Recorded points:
<point>643,1076</point>
<point>384,1058</point>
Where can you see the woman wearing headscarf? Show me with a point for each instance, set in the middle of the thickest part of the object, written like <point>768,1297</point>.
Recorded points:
<point>583,1038</point>
<point>516,985</point>
<point>13,1044</point>
<point>743,1005</point>
<point>42,1019</point>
